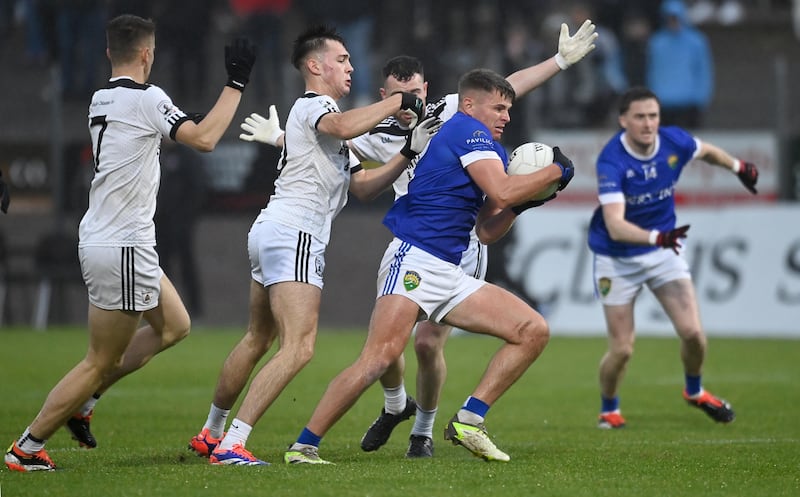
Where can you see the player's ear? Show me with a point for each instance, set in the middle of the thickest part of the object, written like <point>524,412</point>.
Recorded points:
<point>312,65</point>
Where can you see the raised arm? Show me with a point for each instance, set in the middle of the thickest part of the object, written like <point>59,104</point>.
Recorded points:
<point>571,49</point>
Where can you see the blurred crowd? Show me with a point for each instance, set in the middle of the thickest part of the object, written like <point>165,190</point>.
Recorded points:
<point>658,43</point>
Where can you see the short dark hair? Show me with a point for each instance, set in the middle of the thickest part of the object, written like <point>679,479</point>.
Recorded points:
<point>125,33</point>
<point>488,81</point>
<point>635,94</point>
<point>311,40</point>
<point>403,68</point>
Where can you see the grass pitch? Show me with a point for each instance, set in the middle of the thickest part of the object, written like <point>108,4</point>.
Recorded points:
<point>546,422</point>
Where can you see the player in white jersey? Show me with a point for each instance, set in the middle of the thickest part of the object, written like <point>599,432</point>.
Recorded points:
<point>127,120</point>
<point>406,74</point>
<point>459,185</point>
<point>287,241</point>
<point>637,172</point>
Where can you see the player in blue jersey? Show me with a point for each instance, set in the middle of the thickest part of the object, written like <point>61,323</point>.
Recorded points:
<point>459,183</point>
<point>636,173</point>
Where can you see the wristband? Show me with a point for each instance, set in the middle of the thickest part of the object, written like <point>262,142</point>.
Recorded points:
<point>653,237</point>
<point>561,62</point>
<point>737,166</point>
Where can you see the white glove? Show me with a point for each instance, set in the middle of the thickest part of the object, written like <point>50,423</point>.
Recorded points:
<point>419,138</point>
<point>571,49</point>
<point>261,129</point>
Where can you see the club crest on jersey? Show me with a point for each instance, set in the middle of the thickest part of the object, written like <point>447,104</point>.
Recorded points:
<point>165,107</point>
<point>411,280</point>
<point>672,161</point>
<point>604,286</point>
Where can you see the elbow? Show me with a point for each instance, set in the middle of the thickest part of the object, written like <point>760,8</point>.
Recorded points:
<point>503,201</point>
<point>205,147</point>
<point>615,235</point>
<point>362,194</point>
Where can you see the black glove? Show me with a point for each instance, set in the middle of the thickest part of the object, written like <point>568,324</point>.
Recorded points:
<point>530,204</point>
<point>5,195</point>
<point>748,175</point>
<point>671,239</point>
<point>567,169</point>
<point>414,104</point>
<point>239,59</point>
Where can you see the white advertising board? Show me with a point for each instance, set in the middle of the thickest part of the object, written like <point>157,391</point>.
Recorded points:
<point>745,262</point>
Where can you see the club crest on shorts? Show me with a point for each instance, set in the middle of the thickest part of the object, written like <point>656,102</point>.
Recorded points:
<point>411,280</point>
<point>319,266</point>
<point>604,286</point>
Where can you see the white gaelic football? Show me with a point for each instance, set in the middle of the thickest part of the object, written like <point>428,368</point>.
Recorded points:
<point>529,158</point>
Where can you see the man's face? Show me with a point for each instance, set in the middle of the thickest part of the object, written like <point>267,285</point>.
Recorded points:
<point>335,68</point>
<point>489,108</point>
<point>415,85</point>
<point>641,122</point>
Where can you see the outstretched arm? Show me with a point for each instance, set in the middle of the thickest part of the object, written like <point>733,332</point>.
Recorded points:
<point>571,49</point>
<point>746,171</point>
<point>204,136</point>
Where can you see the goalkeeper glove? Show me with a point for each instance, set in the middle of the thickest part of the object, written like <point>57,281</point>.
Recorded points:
<point>5,195</point>
<point>571,49</point>
<point>748,174</point>
<point>239,59</point>
<point>567,169</point>
<point>413,104</point>
<point>418,139</point>
<point>669,239</point>
<point>261,129</point>
<point>530,204</point>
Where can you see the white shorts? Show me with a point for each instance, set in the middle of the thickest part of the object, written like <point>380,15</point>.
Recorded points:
<point>279,253</point>
<point>434,285</point>
<point>618,280</point>
<point>121,278</point>
<point>474,260</point>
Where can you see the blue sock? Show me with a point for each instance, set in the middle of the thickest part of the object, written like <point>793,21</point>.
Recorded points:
<point>476,406</point>
<point>609,405</point>
<point>693,385</point>
<point>308,437</point>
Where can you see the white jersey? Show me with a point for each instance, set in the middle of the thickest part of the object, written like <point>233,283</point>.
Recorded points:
<point>313,172</point>
<point>126,122</point>
<point>386,139</point>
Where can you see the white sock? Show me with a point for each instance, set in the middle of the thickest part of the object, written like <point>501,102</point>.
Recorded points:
<point>27,445</point>
<point>394,399</point>
<point>216,421</point>
<point>469,417</point>
<point>423,423</point>
<point>88,406</point>
<point>237,434</point>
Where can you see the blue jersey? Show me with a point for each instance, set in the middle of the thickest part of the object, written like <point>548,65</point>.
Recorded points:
<point>443,201</point>
<point>647,185</point>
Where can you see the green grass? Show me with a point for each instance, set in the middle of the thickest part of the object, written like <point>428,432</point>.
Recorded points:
<point>546,422</point>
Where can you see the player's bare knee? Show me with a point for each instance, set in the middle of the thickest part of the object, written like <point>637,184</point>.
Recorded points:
<point>693,337</point>
<point>175,332</point>
<point>534,333</point>
<point>622,352</point>
<point>426,348</point>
